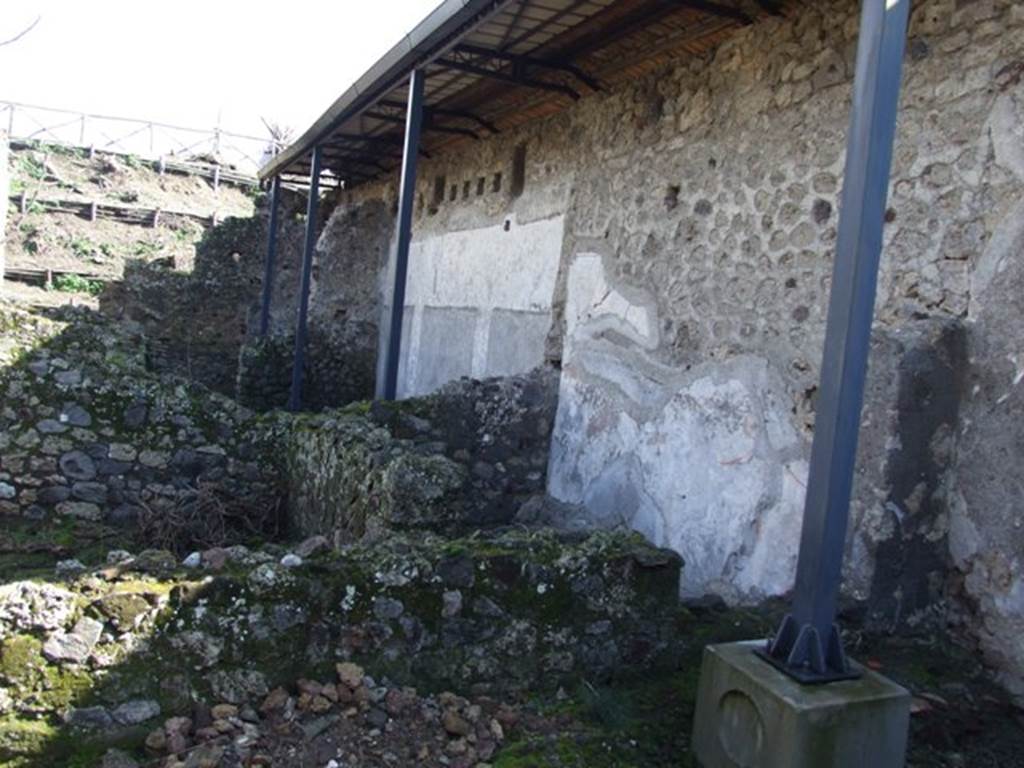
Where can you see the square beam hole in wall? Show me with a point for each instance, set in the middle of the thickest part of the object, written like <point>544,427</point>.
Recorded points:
<point>481,184</point>
<point>496,182</point>
<point>518,171</point>
<point>439,186</point>
<point>466,186</point>
<point>454,193</point>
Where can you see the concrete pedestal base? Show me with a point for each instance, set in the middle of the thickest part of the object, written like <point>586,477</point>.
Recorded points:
<point>750,715</point>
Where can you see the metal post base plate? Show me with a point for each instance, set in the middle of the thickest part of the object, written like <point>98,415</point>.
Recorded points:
<point>805,675</point>
<point>800,653</point>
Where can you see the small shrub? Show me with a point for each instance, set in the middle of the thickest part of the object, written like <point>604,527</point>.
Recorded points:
<point>77,284</point>
<point>67,151</point>
<point>31,166</point>
<point>145,248</point>
<point>82,247</point>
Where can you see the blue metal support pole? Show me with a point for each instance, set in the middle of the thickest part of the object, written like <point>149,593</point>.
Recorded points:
<point>309,245</point>
<point>410,154</point>
<point>268,269</point>
<point>808,645</point>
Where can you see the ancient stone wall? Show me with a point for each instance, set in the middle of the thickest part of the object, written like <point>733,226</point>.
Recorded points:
<point>489,228</point>
<point>344,310</point>
<point>196,322</point>
<point>470,456</point>
<point>693,215</point>
<point>86,433</point>
<point>204,324</point>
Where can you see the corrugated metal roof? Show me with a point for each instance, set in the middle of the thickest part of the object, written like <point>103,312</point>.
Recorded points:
<point>494,64</point>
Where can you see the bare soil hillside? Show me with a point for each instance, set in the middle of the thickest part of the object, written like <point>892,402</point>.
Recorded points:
<point>42,239</point>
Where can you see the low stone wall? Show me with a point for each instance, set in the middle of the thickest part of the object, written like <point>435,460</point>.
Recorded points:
<point>339,369</point>
<point>469,456</point>
<point>87,432</point>
<point>96,655</point>
<point>265,373</point>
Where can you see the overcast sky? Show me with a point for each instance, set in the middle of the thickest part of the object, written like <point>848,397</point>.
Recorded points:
<point>189,62</point>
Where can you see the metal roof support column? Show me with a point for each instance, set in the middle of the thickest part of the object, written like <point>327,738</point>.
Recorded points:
<point>410,155</point>
<point>808,646</point>
<point>268,268</point>
<point>309,245</point>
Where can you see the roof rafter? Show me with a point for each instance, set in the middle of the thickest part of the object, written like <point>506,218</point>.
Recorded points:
<point>716,9</point>
<point>428,125</point>
<point>515,77</point>
<point>529,61</point>
<point>445,112</point>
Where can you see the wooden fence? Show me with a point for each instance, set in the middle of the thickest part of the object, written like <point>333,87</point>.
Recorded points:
<point>126,214</point>
<point>142,138</point>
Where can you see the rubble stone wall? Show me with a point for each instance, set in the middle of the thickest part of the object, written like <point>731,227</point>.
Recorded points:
<point>341,352</point>
<point>469,456</point>
<point>86,433</point>
<point>698,214</point>
<point>204,324</point>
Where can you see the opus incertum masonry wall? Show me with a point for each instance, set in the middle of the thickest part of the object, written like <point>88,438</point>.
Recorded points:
<point>669,245</point>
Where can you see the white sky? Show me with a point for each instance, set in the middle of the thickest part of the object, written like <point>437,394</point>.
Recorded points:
<point>188,61</point>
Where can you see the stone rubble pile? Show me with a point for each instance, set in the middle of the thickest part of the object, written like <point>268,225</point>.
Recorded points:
<point>350,720</point>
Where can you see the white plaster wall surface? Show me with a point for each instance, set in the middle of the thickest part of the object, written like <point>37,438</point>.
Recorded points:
<point>703,461</point>
<point>467,277</point>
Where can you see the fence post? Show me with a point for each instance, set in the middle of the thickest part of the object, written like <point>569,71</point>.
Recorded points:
<point>81,132</point>
<point>93,211</point>
<point>10,121</point>
<point>216,178</point>
<point>22,202</point>
<point>151,144</point>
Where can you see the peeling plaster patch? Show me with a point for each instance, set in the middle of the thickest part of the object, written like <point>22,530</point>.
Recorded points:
<point>705,462</point>
<point>1006,126</point>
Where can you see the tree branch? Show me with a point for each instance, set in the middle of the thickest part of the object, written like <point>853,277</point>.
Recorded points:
<point>23,32</point>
